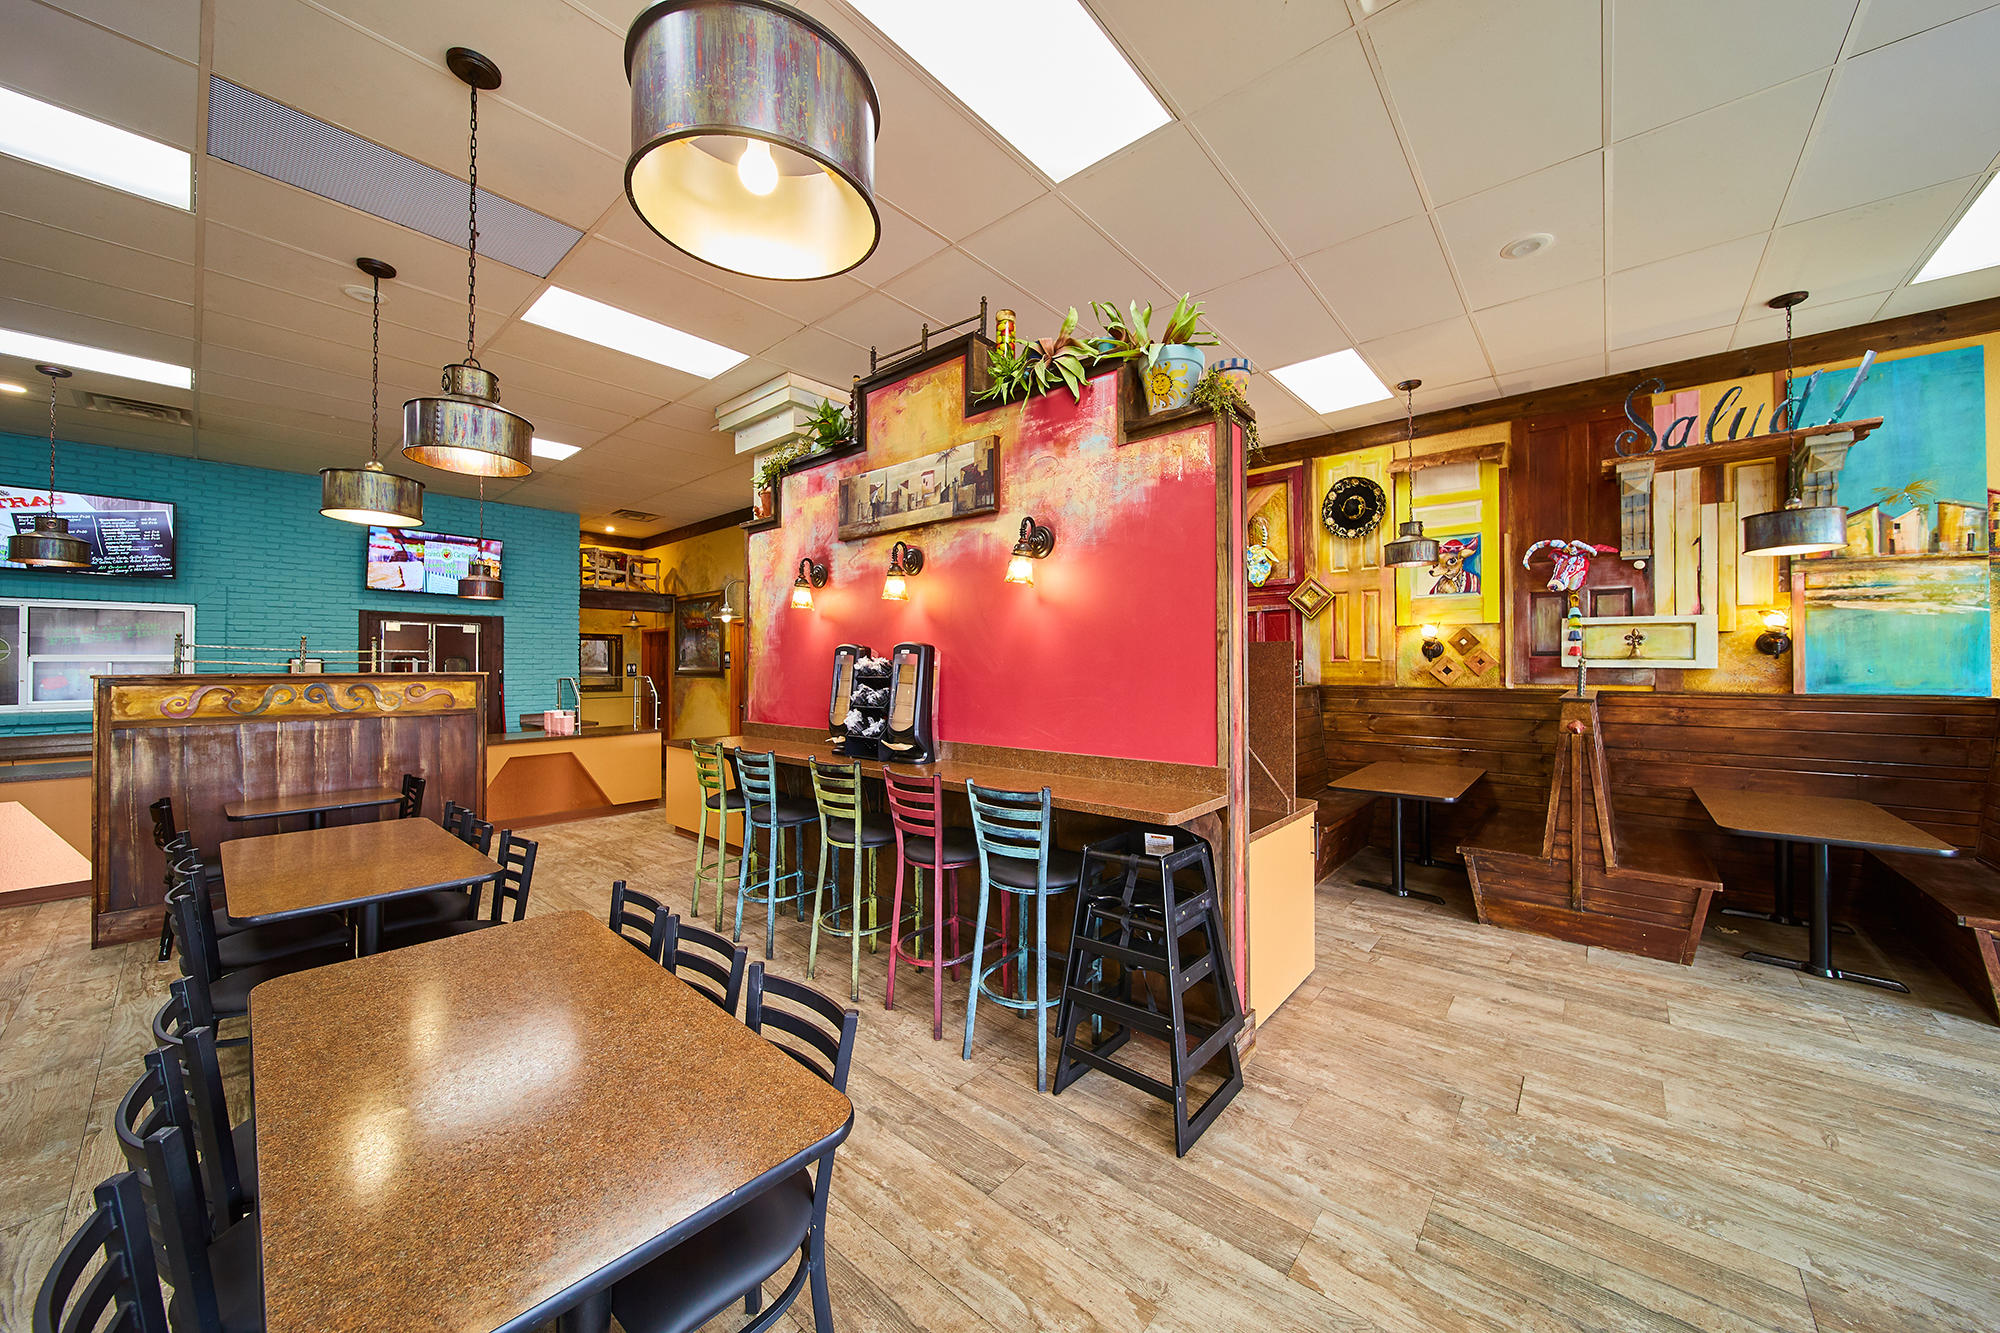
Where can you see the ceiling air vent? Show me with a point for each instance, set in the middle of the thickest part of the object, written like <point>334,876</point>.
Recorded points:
<point>135,407</point>
<point>635,515</point>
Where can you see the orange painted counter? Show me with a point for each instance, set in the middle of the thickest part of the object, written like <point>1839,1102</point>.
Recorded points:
<point>532,778</point>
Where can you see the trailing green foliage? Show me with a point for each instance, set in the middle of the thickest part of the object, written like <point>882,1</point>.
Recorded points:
<point>772,465</point>
<point>1218,393</point>
<point>1023,369</point>
<point>1130,335</point>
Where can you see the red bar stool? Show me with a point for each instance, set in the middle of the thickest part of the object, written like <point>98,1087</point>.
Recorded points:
<point>916,809</point>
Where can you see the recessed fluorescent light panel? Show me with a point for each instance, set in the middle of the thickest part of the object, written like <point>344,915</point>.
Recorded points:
<point>8,386</point>
<point>542,448</point>
<point>34,347</point>
<point>38,132</point>
<point>1333,383</point>
<point>1016,72</point>
<point>634,335</point>
<point>1974,243</point>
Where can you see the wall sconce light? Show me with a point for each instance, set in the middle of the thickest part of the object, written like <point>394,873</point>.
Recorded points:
<point>1776,640</point>
<point>811,575</point>
<point>904,561</point>
<point>731,610</point>
<point>1036,541</point>
<point>1433,650</point>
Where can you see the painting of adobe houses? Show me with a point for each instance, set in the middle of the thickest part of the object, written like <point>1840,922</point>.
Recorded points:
<point>956,483</point>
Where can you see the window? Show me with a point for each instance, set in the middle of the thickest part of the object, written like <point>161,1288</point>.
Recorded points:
<point>50,651</point>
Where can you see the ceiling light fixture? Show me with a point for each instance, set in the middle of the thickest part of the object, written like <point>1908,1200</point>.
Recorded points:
<point>34,347</point>
<point>1333,383</point>
<point>635,335</point>
<point>905,562</point>
<point>551,449</point>
<point>812,575</point>
<point>1798,528</point>
<point>753,138</point>
<point>372,494</point>
<point>1009,75</point>
<point>1411,547</point>
<point>8,386</point>
<point>1035,543</point>
<point>464,428</point>
<point>1532,244</point>
<point>1973,242</point>
<point>482,573</point>
<point>50,545</point>
<point>50,136</point>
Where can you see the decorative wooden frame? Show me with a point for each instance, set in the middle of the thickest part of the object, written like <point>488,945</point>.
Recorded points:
<point>1699,632</point>
<point>1297,550</point>
<point>1310,597</point>
<point>610,680</point>
<point>694,616</point>
<point>985,456</point>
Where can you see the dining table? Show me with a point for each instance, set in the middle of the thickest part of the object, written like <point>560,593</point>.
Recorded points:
<point>485,1132</point>
<point>315,805</point>
<point>359,866</point>
<point>1820,822</point>
<point>1426,784</point>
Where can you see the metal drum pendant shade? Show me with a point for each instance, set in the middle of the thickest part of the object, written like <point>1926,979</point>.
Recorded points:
<point>50,545</point>
<point>714,81</point>
<point>1796,530</point>
<point>372,494</point>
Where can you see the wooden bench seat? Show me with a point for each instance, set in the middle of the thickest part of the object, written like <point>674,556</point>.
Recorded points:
<point>1951,907</point>
<point>1342,821</point>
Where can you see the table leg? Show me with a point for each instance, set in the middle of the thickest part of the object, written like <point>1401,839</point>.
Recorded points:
<point>1783,898</point>
<point>317,819</point>
<point>1424,856</point>
<point>592,1314</point>
<point>1396,884</point>
<point>371,927</point>
<point>1820,959</point>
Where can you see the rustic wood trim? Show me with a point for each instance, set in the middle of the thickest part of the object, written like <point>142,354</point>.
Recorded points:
<point>586,539</point>
<point>1753,449</point>
<point>1495,452</point>
<point>1887,335</point>
<point>700,528</point>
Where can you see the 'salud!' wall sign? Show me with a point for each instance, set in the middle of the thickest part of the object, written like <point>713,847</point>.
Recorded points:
<point>1786,417</point>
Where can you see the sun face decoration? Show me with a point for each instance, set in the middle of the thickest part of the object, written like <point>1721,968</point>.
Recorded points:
<point>1167,382</point>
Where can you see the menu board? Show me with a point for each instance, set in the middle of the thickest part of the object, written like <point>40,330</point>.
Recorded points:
<point>129,538</point>
<point>412,560</point>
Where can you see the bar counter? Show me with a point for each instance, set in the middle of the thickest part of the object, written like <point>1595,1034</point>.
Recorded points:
<point>533,778</point>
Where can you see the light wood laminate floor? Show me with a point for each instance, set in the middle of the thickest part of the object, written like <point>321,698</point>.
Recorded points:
<point>1449,1127</point>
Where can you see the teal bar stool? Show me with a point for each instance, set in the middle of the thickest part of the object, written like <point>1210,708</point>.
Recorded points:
<point>725,803</point>
<point>769,812</point>
<point>845,826</point>
<point>1015,834</point>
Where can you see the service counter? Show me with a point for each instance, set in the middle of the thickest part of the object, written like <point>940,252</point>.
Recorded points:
<point>48,775</point>
<point>532,778</point>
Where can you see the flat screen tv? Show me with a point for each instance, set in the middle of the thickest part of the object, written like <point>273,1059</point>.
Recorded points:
<point>412,560</point>
<point>128,538</point>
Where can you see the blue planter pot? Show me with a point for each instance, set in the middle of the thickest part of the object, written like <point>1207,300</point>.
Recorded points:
<point>1170,381</point>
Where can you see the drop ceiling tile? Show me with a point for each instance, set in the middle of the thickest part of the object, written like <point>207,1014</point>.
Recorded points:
<point>302,405</point>
<point>1389,280</point>
<point>563,419</point>
<point>617,277</point>
<point>1911,114</point>
<point>1175,42</point>
<point>905,243</point>
<point>1672,60</point>
<point>531,377</point>
<point>947,288</point>
<point>1271,317</point>
<point>67,252</point>
<point>1313,148</point>
<point>1685,294</point>
<point>1941,292</point>
<point>1276,408</point>
<point>878,320</point>
<point>819,355</point>
<point>1553,375</point>
<point>680,416</point>
<point>1684,347</point>
<point>56,199</point>
<point>280,375</point>
<point>1563,325</point>
<point>172,26</point>
<point>1049,250</point>
<point>1489,92</point>
<point>99,74</point>
<point>1710,177</point>
<point>1566,201</point>
<point>742,379</point>
<point>76,326</point>
<point>1768,326</point>
<point>1869,248</point>
<point>1204,239</point>
<point>1429,399</point>
<point>1441,354</point>
<point>1885,21</point>
<point>520,341</point>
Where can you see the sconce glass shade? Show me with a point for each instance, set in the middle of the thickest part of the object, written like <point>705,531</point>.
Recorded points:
<point>753,138</point>
<point>464,429</point>
<point>895,589</point>
<point>1036,541</point>
<point>811,575</point>
<point>802,596</point>
<point>371,494</point>
<point>1411,547</point>
<point>481,582</point>
<point>49,546</point>
<point>1796,530</point>
<point>1021,569</point>
<point>904,560</point>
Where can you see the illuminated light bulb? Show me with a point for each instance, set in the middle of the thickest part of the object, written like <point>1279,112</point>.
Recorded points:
<point>802,596</point>
<point>1430,631</point>
<point>757,169</point>
<point>894,589</point>
<point>1777,620</point>
<point>1021,569</point>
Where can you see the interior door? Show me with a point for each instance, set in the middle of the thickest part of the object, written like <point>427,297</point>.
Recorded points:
<point>443,643</point>
<point>656,663</point>
<point>1357,634</point>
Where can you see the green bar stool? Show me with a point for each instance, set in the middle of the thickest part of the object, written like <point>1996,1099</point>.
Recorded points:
<point>844,826</point>
<point>725,803</point>
<point>1017,855</point>
<point>768,811</point>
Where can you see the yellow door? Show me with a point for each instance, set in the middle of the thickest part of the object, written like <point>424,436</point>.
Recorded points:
<point>1357,631</point>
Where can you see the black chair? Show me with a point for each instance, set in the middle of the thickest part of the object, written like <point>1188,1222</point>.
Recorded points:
<point>730,1259</point>
<point>126,1283</point>
<point>413,797</point>
<point>217,1276</point>
<point>436,906</point>
<point>230,1151</point>
<point>453,812</point>
<point>251,946</point>
<point>214,995</point>
<point>717,964</point>
<point>637,918</point>
<point>172,842</point>
<point>517,874</point>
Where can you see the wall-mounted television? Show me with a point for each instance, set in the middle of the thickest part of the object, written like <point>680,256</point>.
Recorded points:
<point>128,538</point>
<point>413,560</point>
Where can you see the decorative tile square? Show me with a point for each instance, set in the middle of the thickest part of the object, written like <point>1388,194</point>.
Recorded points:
<point>1479,661</point>
<point>1465,641</point>
<point>1446,671</point>
<point>1310,597</point>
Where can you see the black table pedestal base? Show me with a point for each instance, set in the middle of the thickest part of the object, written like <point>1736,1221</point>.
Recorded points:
<point>1396,885</point>
<point>1424,857</point>
<point>1821,962</point>
<point>1391,889</point>
<point>1830,973</point>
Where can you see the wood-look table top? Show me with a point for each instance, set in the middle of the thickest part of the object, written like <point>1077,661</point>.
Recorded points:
<point>1443,783</point>
<point>1834,820</point>
<point>452,1134</point>
<point>308,802</point>
<point>290,874</point>
<point>1141,802</point>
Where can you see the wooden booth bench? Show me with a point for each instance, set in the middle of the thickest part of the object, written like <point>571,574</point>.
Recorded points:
<point>1951,905</point>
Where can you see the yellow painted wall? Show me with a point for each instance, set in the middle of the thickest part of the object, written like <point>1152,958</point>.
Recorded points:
<point>690,568</point>
<point>608,708</point>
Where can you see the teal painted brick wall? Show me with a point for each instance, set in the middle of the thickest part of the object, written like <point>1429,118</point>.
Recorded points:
<point>261,566</point>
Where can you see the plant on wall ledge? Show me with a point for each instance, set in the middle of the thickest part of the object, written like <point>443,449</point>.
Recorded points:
<point>1173,362</point>
<point>1219,393</point>
<point>764,480</point>
<point>830,427</point>
<point>1023,369</point>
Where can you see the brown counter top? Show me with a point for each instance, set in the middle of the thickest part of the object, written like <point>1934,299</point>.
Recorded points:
<point>587,734</point>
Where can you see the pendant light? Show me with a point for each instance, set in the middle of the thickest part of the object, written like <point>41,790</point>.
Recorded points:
<point>753,138</point>
<point>50,545</point>
<point>482,576</point>
<point>464,428</point>
<point>372,494</point>
<point>1798,528</point>
<point>1411,547</point>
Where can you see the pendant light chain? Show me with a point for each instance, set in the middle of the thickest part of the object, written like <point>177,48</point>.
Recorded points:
<point>52,443</point>
<point>472,236</point>
<point>1410,415</point>
<point>375,373</point>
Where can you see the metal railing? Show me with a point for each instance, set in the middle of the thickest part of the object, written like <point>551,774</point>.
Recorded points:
<point>651,689</point>
<point>923,342</point>
<point>301,660</point>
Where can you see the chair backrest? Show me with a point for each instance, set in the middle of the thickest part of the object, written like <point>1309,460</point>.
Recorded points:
<point>1010,823</point>
<point>708,767</point>
<point>215,1140</point>
<point>172,1020</point>
<point>478,834</point>
<point>916,804</point>
<point>162,812</point>
<point>413,797</point>
<point>126,1283</point>
<point>757,776</point>
<point>173,1188</point>
<point>156,1099</point>
<point>821,1031</point>
<point>188,877</point>
<point>453,812</point>
<point>517,875</point>
<point>709,962</point>
<point>197,952</point>
<point>637,919</point>
<point>837,792</point>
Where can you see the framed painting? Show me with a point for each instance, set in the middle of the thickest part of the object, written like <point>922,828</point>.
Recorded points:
<point>958,482</point>
<point>600,660</point>
<point>698,635</point>
<point>1275,550</point>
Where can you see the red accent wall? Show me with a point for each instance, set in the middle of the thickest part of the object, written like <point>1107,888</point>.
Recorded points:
<point>1111,652</point>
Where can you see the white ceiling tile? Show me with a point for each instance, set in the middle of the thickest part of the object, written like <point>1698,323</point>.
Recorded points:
<point>520,341</point>
<point>82,255</point>
<point>1051,251</point>
<point>881,321</point>
<point>99,74</point>
<point>172,26</point>
<point>803,302</point>
<point>1710,177</point>
<point>1441,354</point>
<point>1563,325</point>
<point>655,291</point>
<point>1768,326</point>
<point>1683,347</point>
<point>1885,21</point>
<point>1685,294</point>
<point>78,326</point>
<point>819,355</point>
<point>1276,408</point>
<point>1429,399</point>
<point>1389,280</point>
<point>1192,60</point>
<point>947,287</point>
<point>1343,176</point>
<point>1941,292</point>
<point>1488,92</point>
<point>1272,317</point>
<point>56,199</point>
<point>905,244</point>
<point>1869,248</point>
<point>1672,58</point>
<point>1914,113</point>
<point>1553,375</point>
<point>1204,238</point>
<point>1565,200</point>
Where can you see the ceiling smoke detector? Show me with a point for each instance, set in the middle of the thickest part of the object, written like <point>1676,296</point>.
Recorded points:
<point>365,295</point>
<point>1532,244</point>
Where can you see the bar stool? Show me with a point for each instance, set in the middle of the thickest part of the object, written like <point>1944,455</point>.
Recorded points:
<point>1017,855</point>
<point>766,808</point>
<point>923,843</point>
<point>719,799</point>
<point>844,826</point>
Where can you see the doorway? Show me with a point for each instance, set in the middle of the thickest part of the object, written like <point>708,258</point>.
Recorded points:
<point>656,664</point>
<point>442,644</point>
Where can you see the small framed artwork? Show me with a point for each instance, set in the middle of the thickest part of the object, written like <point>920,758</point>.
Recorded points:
<point>600,661</point>
<point>958,482</point>
<point>698,635</point>
<point>1310,597</point>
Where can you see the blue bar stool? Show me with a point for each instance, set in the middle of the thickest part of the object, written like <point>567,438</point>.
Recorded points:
<point>770,811</point>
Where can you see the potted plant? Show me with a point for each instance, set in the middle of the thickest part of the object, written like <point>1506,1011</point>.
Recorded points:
<point>829,427</point>
<point>1173,362</point>
<point>764,481</point>
<point>1022,369</point>
<point>1219,391</point>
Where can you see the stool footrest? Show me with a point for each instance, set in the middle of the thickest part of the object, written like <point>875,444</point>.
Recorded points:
<point>1145,960</point>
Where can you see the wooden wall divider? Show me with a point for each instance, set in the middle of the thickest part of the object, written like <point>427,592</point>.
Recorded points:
<point>208,739</point>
